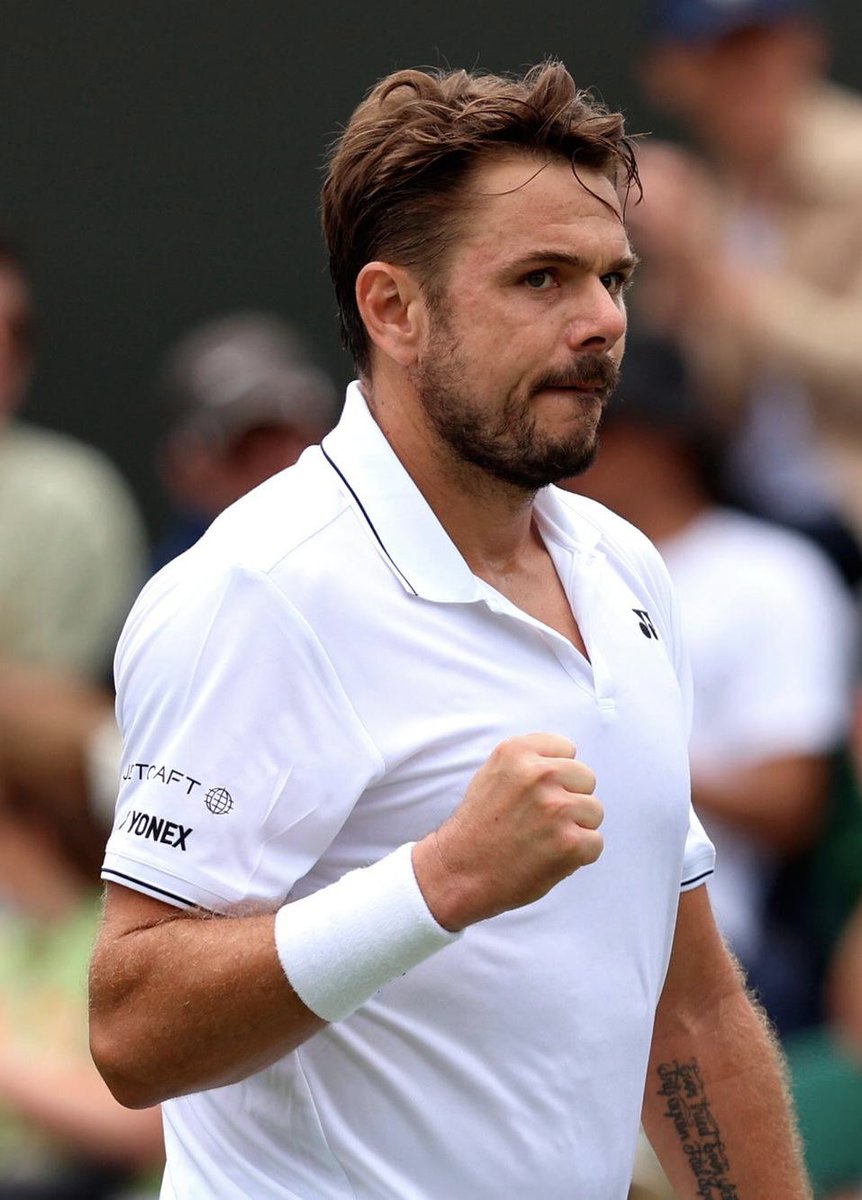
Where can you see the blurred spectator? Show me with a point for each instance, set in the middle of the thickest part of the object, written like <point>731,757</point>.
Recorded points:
<point>241,400</point>
<point>753,256</point>
<point>770,631</point>
<point>71,557</point>
<point>71,540</point>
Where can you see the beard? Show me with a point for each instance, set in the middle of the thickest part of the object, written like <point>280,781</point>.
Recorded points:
<point>505,441</point>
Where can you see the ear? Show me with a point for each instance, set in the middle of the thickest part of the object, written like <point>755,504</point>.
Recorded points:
<point>393,310</point>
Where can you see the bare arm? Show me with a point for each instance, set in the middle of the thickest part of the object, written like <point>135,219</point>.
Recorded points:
<point>181,1002</point>
<point>780,800</point>
<point>716,1106</point>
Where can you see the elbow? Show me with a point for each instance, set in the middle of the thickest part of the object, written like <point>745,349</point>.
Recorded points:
<point>127,1076</point>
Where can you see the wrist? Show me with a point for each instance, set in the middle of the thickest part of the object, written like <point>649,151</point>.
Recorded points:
<point>340,945</point>
<point>444,889</point>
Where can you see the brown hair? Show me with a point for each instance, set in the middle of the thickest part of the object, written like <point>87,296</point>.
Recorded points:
<point>396,169</point>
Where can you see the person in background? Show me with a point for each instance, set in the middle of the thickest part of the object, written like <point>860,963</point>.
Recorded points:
<point>72,553</point>
<point>241,398</point>
<point>752,251</point>
<point>72,543</point>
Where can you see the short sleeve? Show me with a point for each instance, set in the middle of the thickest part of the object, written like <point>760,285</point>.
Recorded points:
<point>699,856</point>
<point>242,756</point>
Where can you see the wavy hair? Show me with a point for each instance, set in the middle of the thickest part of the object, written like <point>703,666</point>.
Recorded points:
<point>394,175</point>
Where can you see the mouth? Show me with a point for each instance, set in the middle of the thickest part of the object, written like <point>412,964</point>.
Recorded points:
<point>579,391</point>
<point>593,377</point>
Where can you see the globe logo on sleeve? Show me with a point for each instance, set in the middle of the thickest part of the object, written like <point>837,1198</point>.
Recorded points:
<point>218,800</point>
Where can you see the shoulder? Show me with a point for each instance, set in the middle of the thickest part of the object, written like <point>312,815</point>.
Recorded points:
<point>264,529</point>
<point>250,561</point>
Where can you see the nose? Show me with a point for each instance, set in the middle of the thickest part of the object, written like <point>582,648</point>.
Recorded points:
<point>599,319</point>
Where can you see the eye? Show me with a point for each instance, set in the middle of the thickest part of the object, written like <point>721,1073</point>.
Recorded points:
<point>616,282</point>
<point>539,281</point>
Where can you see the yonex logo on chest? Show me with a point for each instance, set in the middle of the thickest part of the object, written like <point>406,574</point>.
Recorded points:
<point>645,623</point>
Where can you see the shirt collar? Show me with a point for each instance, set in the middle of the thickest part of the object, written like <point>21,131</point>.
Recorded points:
<point>411,539</point>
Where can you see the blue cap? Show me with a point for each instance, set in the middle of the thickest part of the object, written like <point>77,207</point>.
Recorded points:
<point>707,20</point>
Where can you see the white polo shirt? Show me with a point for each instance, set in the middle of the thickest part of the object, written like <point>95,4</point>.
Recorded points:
<point>314,684</point>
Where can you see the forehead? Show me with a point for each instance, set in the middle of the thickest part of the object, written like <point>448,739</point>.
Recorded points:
<point>520,203</point>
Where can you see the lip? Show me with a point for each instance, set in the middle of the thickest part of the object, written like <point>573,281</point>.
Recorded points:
<point>591,393</point>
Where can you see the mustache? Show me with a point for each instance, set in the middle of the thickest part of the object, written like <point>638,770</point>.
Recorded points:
<point>596,372</point>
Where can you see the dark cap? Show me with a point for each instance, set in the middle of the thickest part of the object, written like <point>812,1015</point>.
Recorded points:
<point>240,372</point>
<point>708,20</point>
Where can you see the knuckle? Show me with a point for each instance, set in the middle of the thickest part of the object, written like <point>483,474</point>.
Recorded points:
<point>508,752</point>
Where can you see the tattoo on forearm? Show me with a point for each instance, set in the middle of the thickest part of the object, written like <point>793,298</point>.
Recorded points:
<point>697,1128</point>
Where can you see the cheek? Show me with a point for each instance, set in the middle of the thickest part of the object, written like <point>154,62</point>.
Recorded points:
<point>618,350</point>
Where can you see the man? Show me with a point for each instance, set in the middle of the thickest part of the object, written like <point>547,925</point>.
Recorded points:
<point>753,254</point>
<point>357,682</point>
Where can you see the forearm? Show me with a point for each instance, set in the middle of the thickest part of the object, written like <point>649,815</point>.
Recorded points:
<point>182,1002</point>
<point>716,1107</point>
<point>191,1003</point>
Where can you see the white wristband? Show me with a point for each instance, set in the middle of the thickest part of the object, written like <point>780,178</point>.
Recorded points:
<point>340,945</point>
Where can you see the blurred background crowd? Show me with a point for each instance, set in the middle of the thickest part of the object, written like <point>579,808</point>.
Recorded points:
<point>735,444</point>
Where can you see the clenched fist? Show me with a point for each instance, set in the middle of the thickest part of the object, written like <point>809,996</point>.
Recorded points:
<point>527,820</point>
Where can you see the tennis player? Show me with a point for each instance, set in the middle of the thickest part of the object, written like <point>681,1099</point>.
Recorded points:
<point>369,930</point>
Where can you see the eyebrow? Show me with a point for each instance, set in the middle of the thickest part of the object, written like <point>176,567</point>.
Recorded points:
<point>626,262</point>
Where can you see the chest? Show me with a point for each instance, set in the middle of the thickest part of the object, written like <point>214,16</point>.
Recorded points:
<point>438,686</point>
